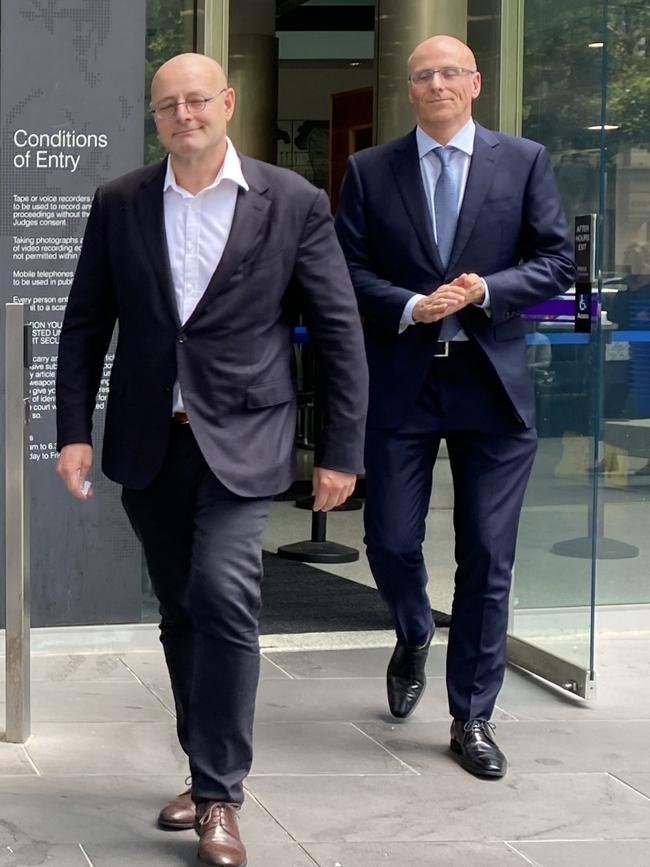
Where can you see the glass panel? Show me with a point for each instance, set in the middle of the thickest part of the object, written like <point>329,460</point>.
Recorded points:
<point>552,604</point>
<point>624,464</point>
<point>171,29</point>
<point>484,35</point>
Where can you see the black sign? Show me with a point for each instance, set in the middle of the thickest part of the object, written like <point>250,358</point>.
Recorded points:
<point>585,256</point>
<point>72,108</point>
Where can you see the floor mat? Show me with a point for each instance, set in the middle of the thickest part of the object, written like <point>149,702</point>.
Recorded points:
<point>297,597</point>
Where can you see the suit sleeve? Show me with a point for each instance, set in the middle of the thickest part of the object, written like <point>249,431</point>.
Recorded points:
<point>335,329</point>
<point>85,334</point>
<point>380,301</point>
<point>546,267</point>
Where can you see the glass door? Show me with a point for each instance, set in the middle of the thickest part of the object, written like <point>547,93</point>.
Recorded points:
<point>562,527</point>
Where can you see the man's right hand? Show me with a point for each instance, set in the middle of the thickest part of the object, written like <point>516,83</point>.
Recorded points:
<point>444,300</point>
<point>449,298</point>
<point>73,464</point>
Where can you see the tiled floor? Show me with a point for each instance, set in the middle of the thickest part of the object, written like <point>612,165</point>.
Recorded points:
<point>336,781</point>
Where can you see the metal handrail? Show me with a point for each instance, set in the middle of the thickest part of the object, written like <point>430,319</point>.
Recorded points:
<point>17,630</point>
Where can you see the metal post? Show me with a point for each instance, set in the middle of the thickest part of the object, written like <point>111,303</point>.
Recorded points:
<point>17,631</point>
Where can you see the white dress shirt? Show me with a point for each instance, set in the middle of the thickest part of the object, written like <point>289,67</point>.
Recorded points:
<point>430,168</point>
<point>197,229</point>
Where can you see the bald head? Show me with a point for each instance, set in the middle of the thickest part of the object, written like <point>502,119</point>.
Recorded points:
<point>184,66</point>
<point>443,83</point>
<point>448,46</point>
<point>192,106</point>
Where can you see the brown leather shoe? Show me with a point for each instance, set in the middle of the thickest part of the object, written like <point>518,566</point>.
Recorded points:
<point>218,829</point>
<point>179,814</point>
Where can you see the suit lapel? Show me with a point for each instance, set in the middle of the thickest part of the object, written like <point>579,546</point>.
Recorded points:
<point>405,163</point>
<point>479,180</point>
<point>151,219</point>
<point>250,215</point>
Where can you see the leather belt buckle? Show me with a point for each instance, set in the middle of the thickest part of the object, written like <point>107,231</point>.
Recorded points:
<point>442,349</point>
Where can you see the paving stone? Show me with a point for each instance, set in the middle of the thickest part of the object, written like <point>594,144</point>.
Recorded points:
<point>37,853</point>
<point>531,747</point>
<point>586,853</point>
<point>640,782</point>
<point>414,854</point>
<point>151,669</point>
<point>343,700</point>
<point>285,749</point>
<point>14,760</point>
<point>105,810</point>
<point>96,701</point>
<point>455,808</point>
<point>75,667</point>
<point>108,748</point>
<point>366,662</point>
<point>526,698</point>
<point>168,852</point>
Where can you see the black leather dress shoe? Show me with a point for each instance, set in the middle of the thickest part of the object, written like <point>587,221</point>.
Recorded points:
<point>474,743</point>
<point>405,678</point>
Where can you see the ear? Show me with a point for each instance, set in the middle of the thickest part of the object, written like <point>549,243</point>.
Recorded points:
<point>476,84</point>
<point>229,103</point>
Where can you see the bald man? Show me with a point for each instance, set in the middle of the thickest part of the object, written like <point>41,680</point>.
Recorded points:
<point>193,257</point>
<point>450,233</point>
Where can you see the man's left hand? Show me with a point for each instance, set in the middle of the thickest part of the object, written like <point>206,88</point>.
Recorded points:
<point>473,286</point>
<point>331,488</point>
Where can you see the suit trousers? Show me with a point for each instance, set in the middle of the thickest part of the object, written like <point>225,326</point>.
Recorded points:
<point>491,455</point>
<point>202,545</point>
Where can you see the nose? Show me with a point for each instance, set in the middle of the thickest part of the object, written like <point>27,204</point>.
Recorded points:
<point>182,111</point>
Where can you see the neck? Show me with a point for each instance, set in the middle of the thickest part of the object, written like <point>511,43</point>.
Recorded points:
<point>196,172</point>
<point>444,134</point>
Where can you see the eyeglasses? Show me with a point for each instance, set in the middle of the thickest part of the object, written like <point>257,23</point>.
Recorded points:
<point>447,73</point>
<point>195,105</point>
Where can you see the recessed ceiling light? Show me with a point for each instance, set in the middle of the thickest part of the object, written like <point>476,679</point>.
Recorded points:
<point>595,45</point>
<point>605,126</point>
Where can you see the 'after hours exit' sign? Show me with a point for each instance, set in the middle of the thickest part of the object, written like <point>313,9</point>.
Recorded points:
<point>585,256</point>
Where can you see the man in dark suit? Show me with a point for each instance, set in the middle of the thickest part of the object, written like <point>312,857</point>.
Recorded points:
<point>202,260</point>
<point>449,233</point>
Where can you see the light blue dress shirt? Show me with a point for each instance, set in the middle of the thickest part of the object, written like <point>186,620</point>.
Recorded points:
<point>430,167</point>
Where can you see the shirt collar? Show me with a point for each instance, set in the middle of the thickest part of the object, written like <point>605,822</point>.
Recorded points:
<point>230,171</point>
<point>463,140</point>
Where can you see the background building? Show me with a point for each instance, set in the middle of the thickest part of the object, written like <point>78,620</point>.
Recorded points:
<point>319,79</point>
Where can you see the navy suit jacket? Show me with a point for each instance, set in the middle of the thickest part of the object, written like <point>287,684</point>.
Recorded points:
<point>511,231</point>
<point>233,356</point>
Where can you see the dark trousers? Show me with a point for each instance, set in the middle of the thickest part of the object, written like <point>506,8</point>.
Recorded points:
<point>491,456</point>
<point>202,545</point>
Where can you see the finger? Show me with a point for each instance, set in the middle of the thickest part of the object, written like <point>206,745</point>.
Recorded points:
<point>331,497</point>
<point>345,494</point>
<point>73,485</point>
<point>330,504</point>
<point>320,497</point>
<point>73,478</point>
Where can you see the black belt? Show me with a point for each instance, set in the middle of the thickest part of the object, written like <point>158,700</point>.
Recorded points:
<point>445,348</point>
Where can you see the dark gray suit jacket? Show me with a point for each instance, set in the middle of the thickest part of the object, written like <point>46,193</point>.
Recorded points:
<point>233,357</point>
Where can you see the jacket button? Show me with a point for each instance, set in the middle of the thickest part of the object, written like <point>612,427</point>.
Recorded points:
<point>181,339</point>
<point>167,388</point>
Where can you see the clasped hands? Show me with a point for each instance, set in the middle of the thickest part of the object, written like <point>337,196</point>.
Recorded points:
<point>449,298</point>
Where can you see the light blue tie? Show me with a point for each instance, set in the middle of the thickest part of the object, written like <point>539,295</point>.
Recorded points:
<point>445,205</point>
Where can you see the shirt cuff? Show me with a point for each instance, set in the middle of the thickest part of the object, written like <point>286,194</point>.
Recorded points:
<point>407,313</point>
<point>485,303</point>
